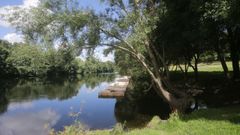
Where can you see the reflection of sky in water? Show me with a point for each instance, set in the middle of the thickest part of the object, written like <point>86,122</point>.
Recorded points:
<point>31,117</point>
<point>23,105</point>
<point>31,123</point>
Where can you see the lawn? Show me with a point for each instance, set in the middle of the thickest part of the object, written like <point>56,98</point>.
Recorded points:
<point>207,67</point>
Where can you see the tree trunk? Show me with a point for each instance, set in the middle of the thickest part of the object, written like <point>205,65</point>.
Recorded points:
<point>234,50</point>
<point>221,58</point>
<point>177,100</point>
<point>235,60</point>
<point>196,59</point>
<point>224,65</point>
<point>185,69</point>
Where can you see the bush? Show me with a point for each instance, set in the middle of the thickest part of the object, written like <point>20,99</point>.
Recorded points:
<point>29,60</point>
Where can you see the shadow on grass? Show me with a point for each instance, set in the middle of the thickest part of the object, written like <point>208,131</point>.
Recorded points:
<point>217,90</point>
<point>220,96</point>
<point>230,113</point>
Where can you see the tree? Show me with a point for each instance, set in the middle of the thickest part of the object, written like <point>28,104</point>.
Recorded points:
<point>233,30</point>
<point>4,52</point>
<point>126,26</point>
<point>224,18</point>
<point>178,34</point>
<point>93,65</point>
<point>29,60</point>
<point>6,69</point>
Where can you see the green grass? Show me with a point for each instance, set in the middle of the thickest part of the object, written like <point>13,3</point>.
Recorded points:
<point>221,121</point>
<point>215,66</point>
<point>207,67</point>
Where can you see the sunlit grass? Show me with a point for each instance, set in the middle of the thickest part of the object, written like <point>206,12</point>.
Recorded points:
<point>206,67</point>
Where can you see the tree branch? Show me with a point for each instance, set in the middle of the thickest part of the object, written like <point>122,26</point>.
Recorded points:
<point>88,46</point>
<point>119,38</point>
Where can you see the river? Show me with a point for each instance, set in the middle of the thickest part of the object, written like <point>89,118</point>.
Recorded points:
<point>35,106</point>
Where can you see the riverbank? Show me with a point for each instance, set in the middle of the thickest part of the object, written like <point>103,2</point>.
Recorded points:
<point>215,121</point>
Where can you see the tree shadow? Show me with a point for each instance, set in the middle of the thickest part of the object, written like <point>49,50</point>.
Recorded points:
<point>230,114</point>
<point>220,99</point>
<point>137,112</point>
<point>218,102</point>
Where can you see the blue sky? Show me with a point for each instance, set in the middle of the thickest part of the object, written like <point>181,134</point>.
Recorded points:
<point>9,33</point>
<point>6,30</point>
<point>93,4</point>
<point>10,2</point>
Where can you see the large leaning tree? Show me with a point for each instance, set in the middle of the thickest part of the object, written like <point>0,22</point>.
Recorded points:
<point>125,25</point>
<point>129,27</point>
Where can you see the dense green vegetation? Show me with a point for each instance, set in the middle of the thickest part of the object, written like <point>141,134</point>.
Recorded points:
<point>93,65</point>
<point>33,60</point>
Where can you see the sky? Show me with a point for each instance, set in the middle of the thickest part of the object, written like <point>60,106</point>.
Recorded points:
<point>7,32</point>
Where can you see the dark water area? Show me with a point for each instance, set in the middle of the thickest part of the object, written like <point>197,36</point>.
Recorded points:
<point>34,106</point>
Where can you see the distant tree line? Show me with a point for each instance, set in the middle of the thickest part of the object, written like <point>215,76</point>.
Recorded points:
<point>93,65</point>
<point>34,60</point>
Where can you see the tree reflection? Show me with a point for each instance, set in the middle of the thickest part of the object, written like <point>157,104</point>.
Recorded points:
<point>91,81</point>
<point>3,102</point>
<point>137,111</point>
<point>4,87</point>
<point>59,88</point>
<point>31,90</point>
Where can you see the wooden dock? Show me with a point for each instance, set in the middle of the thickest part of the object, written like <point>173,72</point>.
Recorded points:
<point>116,89</point>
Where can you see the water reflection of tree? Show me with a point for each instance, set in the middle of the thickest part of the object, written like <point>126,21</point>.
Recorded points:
<point>60,88</point>
<point>32,90</point>
<point>137,109</point>
<point>4,86</point>
<point>91,81</point>
<point>3,101</point>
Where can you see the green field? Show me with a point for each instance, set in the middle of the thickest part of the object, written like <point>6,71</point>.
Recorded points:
<point>207,67</point>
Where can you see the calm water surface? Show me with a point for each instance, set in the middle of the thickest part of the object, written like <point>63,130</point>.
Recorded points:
<point>33,107</point>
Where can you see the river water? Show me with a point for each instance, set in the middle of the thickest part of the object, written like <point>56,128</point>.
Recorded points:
<point>35,106</point>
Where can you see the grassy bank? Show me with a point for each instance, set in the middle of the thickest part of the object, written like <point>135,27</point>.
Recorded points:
<point>220,121</point>
<point>206,67</point>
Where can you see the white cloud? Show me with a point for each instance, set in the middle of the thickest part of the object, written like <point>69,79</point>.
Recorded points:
<point>99,54</point>
<point>30,3</point>
<point>14,38</point>
<point>7,10</point>
<point>28,123</point>
<point>23,105</point>
<point>103,58</point>
<point>4,23</point>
